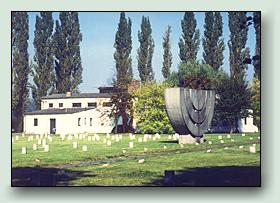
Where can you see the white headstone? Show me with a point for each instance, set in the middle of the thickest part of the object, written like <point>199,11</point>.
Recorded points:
<point>145,149</point>
<point>46,148</point>
<point>117,139</point>
<point>232,140</point>
<point>164,147</point>
<point>252,149</point>
<point>50,139</point>
<point>113,137</point>
<point>251,138</point>
<point>145,139</point>
<point>141,161</point>
<point>37,137</point>
<point>75,145</point>
<point>108,135</point>
<point>208,151</point>
<point>39,142</point>
<point>169,137</point>
<point>254,145</point>
<point>76,136</point>
<point>24,150</point>
<point>222,141</point>
<point>34,147</point>
<point>104,141</point>
<point>13,140</point>
<point>109,143</point>
<point>120,136</point>
<point>259,138</point>
<point>22,134</point>
<point>220,137</point>
<point>140,139</point>
<point>228,136</point>
<point>130,145</point>
<point>240,147</point>
<point>84,148</point>
<point>31,138</point>
<point>226,148</point>
<point>210,142</point>
<point>28,139</point>
<point>93,138</point>
<point>154,138</point>
<point>89,138</point>
<point>243,134</point>
<point>17,138</point>
<point>124,151</point>
<point>181,145</point>
<point>69,138</point>
<point>196,143</point>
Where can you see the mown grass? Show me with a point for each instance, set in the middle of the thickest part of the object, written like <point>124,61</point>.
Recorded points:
<point>108,165</point>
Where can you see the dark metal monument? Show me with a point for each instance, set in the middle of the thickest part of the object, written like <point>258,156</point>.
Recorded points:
<point>190,112</point>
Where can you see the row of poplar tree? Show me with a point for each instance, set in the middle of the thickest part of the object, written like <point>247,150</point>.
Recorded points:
<point>56,66</point>
<point>235,94</point>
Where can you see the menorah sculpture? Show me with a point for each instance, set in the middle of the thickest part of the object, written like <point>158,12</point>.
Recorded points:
<point>190,112</point>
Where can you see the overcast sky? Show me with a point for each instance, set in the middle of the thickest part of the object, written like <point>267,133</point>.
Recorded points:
<point>99,28</point>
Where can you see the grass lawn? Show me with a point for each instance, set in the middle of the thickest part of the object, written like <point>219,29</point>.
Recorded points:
<point>103,165</point>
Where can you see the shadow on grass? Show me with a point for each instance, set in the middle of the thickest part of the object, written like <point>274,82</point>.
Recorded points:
<point>169,141</point>
<point>37,176</point>
<point>212,176</point>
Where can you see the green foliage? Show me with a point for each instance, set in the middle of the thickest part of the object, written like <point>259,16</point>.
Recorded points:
<point>213,45</point>
<point>233,102</point>
<point>196,76</point>
<point>256,104</point>
<point>66,43</point>
<point>20,67</point>
<point>189,42</point>
<point>257,57</point>
<point>150,113</point>
<point>167,55</point>
<point>123,46</point>
<point>237,42</point>
<point>43,69</point>
<point>145,51</point>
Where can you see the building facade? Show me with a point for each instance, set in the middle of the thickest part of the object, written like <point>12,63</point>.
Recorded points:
<point>72,113</point>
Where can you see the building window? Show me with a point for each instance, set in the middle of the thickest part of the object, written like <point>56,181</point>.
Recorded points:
<point>85,121</point>
<point>92,104</point>
<point>76,104</point>
<point>79,121</point>
<point>60,105</point>
<point>90,121</point>
<point>35,121</point>
<point>50,105</point>
<point>107,104</point>
<point>245,120</point>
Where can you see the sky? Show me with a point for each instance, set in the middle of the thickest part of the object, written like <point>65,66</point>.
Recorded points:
<point>98,30</point>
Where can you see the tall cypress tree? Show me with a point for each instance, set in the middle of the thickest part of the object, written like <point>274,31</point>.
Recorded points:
<point>237,43</point>
<point>20,67</point>
<point>122,99</point>
<point>66,42</point>
<point>43,69</point>
<point>213,45</point>
<point>145,51</point>
<point>189,42</point>
<point>167,55</point>
<point>257,57</point>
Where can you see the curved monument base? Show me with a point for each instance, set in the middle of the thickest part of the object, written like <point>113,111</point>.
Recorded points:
<point>188,139</point>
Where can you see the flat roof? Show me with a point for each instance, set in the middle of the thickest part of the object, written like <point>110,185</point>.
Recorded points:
<point>81,95</point>
<point>57,111</point>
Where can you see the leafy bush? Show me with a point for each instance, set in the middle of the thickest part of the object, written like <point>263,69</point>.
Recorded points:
<point>150,113</point>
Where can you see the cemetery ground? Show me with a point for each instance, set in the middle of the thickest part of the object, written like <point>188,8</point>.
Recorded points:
<point>153,160</point>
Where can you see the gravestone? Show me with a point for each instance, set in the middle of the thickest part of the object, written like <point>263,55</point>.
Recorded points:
<point>141,161</point>
<point>46,148</point>
<point>23,150</point>
<point>139,139</point>
<point>252,149</point>
<point>34,147</point>
<point>75,145</point>
<point>130,145</point>
<point>84,148</point>
<point>109,143</point>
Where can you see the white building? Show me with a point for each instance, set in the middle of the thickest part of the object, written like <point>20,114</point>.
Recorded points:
<point>67,113</point>
<point>246,125</point>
